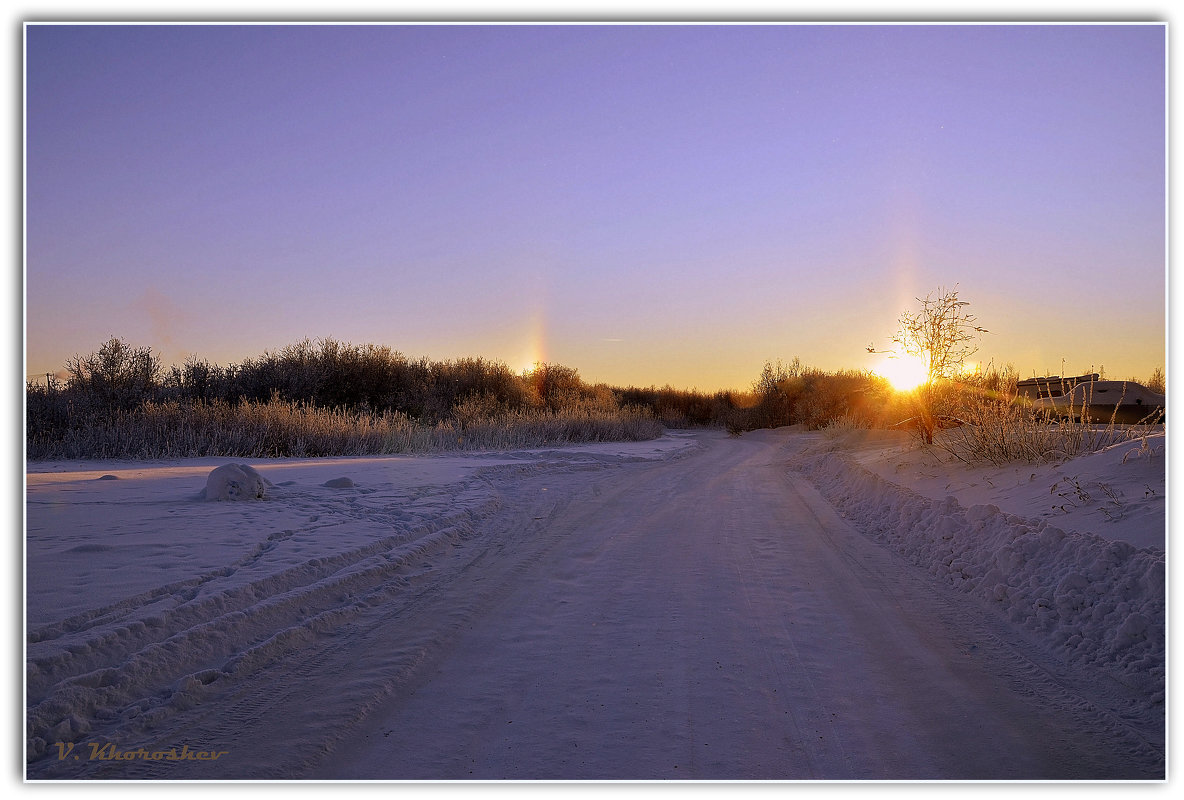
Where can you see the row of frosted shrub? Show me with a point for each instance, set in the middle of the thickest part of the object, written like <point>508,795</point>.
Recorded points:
<point>326,397</point>
<point>326,374</point>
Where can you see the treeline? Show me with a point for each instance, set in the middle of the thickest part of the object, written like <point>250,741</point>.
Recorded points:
<point>324,374</point>
<point>328,397</point>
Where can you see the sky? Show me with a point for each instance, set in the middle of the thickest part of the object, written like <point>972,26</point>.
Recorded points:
<point>650,204</point>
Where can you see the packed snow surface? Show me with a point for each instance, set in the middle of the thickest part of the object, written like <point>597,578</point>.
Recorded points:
<point>781,605</point>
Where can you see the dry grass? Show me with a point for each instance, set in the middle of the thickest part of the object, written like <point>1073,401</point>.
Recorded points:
<point>1000,428</point>
<point>280,428</point>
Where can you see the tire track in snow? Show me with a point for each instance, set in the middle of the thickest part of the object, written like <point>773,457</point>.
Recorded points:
<point>188,662</point>
<point>813,738</point>
<point>709,621</point>
<point>374,653</point>
<point>113,678</point>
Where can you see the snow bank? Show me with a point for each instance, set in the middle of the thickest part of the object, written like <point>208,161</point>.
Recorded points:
<point>1118,493</point>
<point>1096,601</point>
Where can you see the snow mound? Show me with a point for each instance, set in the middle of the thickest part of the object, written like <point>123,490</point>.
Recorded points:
<point>235,482</point>
<point>339,483</point>
<point>1096,601</point>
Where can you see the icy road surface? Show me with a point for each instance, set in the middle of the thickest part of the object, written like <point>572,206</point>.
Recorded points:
<point>684,609</point>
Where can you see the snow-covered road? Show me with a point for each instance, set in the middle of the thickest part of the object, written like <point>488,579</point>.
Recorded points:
<point>691,613</point>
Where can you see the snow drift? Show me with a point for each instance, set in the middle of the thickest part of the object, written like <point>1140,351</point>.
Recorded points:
<point>1095,600</point>
<point>235,482</point>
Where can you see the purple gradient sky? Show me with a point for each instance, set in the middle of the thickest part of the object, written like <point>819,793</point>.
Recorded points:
<point>649,204</point>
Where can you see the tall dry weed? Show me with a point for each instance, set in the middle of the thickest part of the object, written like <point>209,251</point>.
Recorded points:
<point>282,428</point>
<point>1000,427</point>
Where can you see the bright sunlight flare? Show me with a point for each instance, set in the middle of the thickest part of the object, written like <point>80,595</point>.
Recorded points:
<point>905,373</point>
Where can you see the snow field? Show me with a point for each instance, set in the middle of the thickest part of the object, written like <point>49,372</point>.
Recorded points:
<point>111,656</point>
<point>272,627</point>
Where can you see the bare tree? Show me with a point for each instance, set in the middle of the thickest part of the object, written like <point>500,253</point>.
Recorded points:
<point>118,374</point>
<point>943,335</point>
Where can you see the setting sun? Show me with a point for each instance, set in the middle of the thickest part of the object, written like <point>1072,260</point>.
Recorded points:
<point>905,373</point>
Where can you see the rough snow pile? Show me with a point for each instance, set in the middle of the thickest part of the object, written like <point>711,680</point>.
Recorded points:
<point>1119,492</point>
<point>1098,601</point>
<point>235,482</point>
